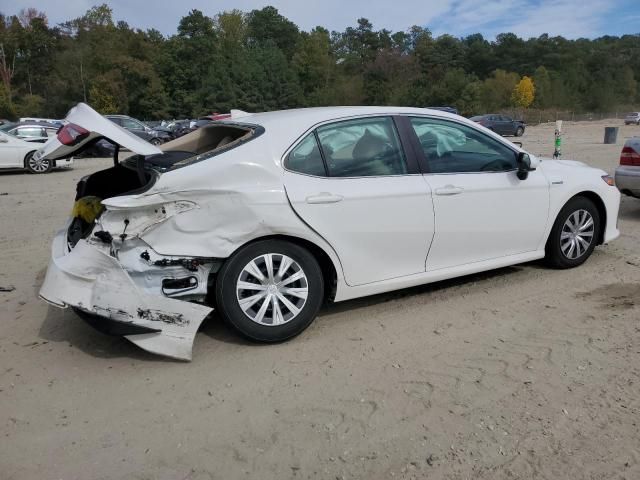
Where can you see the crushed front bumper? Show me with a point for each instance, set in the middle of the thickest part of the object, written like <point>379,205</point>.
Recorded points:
<point>93,282</point>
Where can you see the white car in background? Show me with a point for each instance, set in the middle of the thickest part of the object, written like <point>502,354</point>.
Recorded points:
<point>266,216</point>
<point>18,153</point>
<point>631,118</point>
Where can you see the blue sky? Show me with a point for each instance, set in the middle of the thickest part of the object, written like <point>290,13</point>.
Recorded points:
<point>527,18</point>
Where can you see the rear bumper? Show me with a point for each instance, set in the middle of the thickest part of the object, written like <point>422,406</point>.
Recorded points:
<point>94,283</point>
<point>64,163</point>
<point>628,180</point>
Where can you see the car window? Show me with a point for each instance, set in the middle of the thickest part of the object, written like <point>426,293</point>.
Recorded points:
<point>31,132</point>
<point>362,148</point>
<point>506,119</point>
<point>131,124</point>
<point>455,148</point>
<point>51,132</point>
<point>306,158</point>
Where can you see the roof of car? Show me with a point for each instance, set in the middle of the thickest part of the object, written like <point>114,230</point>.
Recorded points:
<point>305,118</point>
<point>285,125</point>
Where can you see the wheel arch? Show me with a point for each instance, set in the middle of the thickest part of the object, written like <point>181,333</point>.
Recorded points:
<point>602,211</point>
<point>327,265</point>
<point>27,156</point>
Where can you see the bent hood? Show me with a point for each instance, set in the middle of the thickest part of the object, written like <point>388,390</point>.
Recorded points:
<point>98,126</point>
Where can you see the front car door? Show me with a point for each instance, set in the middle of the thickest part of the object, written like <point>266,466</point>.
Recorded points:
<point>482,210</point>
<point>136,128</point>
<point>353,183</point>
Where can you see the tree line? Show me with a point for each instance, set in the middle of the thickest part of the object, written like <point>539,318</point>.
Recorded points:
<point>260,61</point>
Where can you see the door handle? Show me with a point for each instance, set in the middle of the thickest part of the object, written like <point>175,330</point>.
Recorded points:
<point>324,197</point>
<point>449,190</point>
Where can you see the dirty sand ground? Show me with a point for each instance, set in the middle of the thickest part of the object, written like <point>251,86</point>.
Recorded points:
<point>520,373</point>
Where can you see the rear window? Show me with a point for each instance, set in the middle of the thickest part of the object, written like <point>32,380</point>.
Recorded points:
<point>205,142</point>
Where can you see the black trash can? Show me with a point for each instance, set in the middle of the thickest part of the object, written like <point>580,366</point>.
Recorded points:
<point>610,135</point>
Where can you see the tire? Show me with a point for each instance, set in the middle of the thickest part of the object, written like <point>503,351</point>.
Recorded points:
<point>155,141</point>
<point>37,166</point>
<point>258,318</point>
<point>519,131</point>
<point>559,251</point>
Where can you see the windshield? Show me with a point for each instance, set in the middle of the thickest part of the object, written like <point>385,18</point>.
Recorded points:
<point>8,126</point>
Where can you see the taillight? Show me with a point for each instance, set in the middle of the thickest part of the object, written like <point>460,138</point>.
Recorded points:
<point>71,134</point>
<point>629,157</point>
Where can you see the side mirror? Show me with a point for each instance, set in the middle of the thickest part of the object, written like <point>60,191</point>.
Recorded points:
<point>524,165</point>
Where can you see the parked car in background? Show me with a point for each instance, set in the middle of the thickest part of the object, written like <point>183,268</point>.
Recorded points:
<point>627,175</point>
<point>52,121</point>
<point>272,214</point>
<point>142,130</point>
<point>445,109</point>
<point>99,149</point>
<point>17,153</point>
<point>501,124</point>
<point>631,118</point>
<point>31,131</point>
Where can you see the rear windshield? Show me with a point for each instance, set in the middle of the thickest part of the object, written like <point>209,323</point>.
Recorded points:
<point>205,142</point>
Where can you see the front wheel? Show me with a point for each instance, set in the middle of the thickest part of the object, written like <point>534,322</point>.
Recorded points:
<point>519,131</point>
<point>574,234</point>
<point>270,290</point>
<point>40,165</point>
<point>155,141</point>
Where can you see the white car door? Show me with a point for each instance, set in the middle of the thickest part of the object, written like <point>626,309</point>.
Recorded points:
<point>482,210</point>
<point>12,151</point>
<point>352,182</point>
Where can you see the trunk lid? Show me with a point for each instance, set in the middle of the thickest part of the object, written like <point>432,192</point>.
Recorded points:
<point>93,126</point>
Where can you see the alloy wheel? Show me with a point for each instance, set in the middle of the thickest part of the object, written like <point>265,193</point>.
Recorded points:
<point>272,289</point>
<point>38,165</point>
<point>577,234</point>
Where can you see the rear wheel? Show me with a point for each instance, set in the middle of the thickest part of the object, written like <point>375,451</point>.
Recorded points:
<point>37,165</point>
<point>270,290</point>
<point>519,131</point>
<point>155,141</point>
<point>574,234</point>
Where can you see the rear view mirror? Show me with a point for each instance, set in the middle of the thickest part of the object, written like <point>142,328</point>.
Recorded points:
<point>524,165</point>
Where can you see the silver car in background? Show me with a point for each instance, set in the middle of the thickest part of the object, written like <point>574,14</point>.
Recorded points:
<point>631,118</point>
<point>628,173</point>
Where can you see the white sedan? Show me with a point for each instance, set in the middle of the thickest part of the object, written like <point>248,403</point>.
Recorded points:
<point>266,216</point>
<point>18,153</point>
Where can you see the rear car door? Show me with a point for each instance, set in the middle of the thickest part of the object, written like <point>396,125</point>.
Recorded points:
<point>12,151</point>
<point>354,183</point>
<point>482,210</point>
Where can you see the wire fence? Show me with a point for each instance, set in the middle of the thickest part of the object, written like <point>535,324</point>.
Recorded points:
<point>535,117</point>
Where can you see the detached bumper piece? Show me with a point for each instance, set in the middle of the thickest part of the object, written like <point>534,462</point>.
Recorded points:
<point>109,326</point>
<point>97,287</point>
